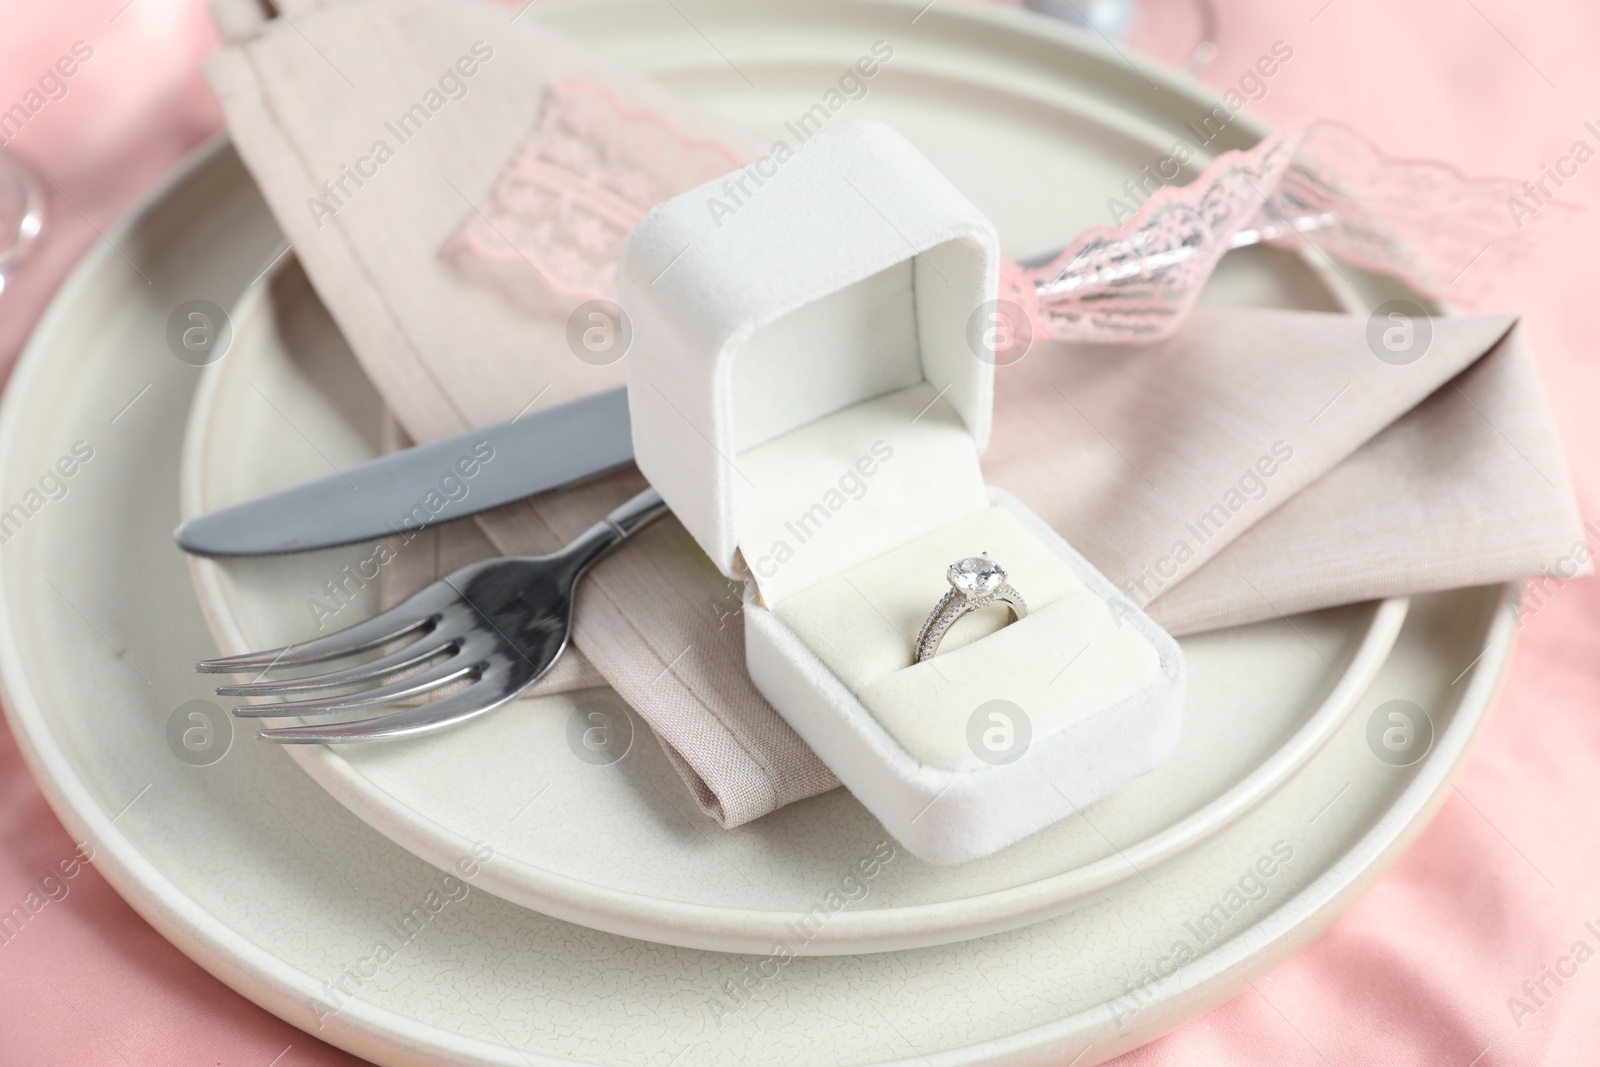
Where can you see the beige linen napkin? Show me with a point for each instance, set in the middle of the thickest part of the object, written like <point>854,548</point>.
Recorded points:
<point>1258,464</point>
<point>1294,468</point>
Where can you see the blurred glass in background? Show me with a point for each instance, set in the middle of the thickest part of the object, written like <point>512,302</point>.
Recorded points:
<point>21,213</point>
<point>1178,33</point>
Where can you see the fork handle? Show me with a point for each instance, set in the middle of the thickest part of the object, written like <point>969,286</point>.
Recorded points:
<point>639,511</point>
<point>615,528</point>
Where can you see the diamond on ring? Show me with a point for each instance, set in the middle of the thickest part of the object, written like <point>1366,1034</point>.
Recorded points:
<point>975,582</point>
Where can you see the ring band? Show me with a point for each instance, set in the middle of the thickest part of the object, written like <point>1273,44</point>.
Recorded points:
<point>975,582</point>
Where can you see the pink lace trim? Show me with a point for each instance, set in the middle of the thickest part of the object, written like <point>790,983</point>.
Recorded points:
<point>1312,182</point>
<point>591,168</point>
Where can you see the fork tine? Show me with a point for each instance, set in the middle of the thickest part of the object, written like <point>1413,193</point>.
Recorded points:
<point>410,614</point>
<point>412,722</point>
<point>451,670</point>
<point>418,652</point>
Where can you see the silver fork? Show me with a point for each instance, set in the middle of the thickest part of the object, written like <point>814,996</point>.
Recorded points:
<point>498,624</point>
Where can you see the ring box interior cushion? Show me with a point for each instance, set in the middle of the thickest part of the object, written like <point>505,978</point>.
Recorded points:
<point>806,397</point>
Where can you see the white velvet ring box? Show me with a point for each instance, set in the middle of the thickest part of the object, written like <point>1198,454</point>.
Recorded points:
<point>806,398</point>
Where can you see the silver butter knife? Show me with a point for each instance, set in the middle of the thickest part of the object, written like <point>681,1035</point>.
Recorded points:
<point>425,485</point>
<point>531,455</point>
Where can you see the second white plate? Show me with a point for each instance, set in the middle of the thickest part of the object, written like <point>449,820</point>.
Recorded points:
<point>622,848</point>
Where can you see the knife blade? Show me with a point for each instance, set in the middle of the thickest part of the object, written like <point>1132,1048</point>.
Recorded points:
<point>425,485</point>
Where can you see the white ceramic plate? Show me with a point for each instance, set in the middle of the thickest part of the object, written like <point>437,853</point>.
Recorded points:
<point>277,889</point>
<point>622,848</point>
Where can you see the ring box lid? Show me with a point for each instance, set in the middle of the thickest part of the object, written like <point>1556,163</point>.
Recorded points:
<point>807,283</point>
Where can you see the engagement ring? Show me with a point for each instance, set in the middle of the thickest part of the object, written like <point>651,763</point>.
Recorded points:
<point>975,582</point>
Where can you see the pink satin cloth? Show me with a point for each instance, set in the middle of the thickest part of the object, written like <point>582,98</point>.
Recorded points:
<point>1421,971</point>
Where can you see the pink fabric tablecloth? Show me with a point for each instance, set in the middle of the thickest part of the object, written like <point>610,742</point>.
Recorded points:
<point>1421,971</point>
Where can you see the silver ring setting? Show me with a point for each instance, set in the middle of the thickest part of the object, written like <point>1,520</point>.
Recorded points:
<point>975,582</point>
